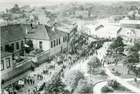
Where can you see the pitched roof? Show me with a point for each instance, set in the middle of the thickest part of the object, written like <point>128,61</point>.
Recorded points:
<point>136,32</point>
<point>54,34</point>
<point>38,32</point>
<point>4,54</point>
<point>11,33</point>
<point>44,32</point>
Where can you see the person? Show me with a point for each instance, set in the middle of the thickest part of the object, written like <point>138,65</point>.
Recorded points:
<point>33,81</point>
<point>135,80</point>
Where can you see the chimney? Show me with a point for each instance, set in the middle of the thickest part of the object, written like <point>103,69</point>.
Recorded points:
<point>53,27</point>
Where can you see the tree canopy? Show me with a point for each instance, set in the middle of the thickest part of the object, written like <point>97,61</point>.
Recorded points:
<point>72,78</point>
<point>56,85</point>
<point>15,9</point>
<point>93,63</point>
<point>118,45</point>
<point>84,87</point>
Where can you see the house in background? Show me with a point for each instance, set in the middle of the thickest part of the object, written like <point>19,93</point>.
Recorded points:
<point>129,35</point>
<point>130,24</point>
<point>83,14</point>
<point>109,32</point>
<point>91,29</point>
<point>42,19</point>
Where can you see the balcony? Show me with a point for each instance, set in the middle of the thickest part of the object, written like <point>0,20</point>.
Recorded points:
<point>21,62</point>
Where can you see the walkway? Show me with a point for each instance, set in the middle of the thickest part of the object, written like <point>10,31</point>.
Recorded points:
<point>122,81</point>
<point>97,88</point>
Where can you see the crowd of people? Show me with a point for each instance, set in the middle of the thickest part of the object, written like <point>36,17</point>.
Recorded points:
<point>67,61</point>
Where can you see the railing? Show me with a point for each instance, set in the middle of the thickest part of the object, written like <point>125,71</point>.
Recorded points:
<point>21,63</point>
<point>42,53</point>
<point>39,54</point>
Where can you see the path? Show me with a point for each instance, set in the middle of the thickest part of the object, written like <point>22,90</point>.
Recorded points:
<point>97,88</point>
<point>122,81</point>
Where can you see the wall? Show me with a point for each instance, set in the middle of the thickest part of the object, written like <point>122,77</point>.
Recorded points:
<point>43,58</point>
<point>45,44</point>
<point>4,73</point>
<point>57,49</point>
<point>15,49</point>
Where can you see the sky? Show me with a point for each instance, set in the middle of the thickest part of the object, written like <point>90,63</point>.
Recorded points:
<point>10,3</point>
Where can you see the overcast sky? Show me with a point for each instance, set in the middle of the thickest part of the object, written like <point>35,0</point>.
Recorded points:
<point>10,3</point>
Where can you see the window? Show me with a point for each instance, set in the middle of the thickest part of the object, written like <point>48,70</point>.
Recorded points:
<point>2,65</point>
<point>40,44</point>
<point>8,62</point>
<point>12,45</point>
<point>127,33</point>
<point>54,43</point>
<point>1,48</point>
<point>51,44</point>
<point>22,43</point>
<point>6,47</point>
<point>63,39</point>
<point>17,45</point>
<point>59,41</point>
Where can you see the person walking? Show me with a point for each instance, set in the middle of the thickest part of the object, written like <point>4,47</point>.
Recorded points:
<point>136,82</point>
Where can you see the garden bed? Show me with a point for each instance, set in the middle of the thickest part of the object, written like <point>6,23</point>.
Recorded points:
<point>119,89</point>
<point>134,84</point>
<point>121,71</point>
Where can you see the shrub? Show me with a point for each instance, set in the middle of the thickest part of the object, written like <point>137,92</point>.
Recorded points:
<point>113,83</point>
<point>106,89</point>
<point>102,72</point>
<point>73,77</point>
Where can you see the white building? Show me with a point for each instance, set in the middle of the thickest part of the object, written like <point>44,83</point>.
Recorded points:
<point>48,38</point>
<point>108,32</point>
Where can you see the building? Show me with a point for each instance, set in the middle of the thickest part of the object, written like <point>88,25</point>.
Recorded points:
<point>12,38</point>
<point>6,64</point>
<point>130,24</point>
<point>12,64</point>
<point>48,38</point>
<point>108,32</point>
<point>84,14</point>
<point>42,19</point>
<point>129,35</point>
<point>91,29</point>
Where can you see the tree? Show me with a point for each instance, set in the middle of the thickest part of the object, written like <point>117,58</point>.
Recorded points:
<point>133,57</point>
<point>15,9</point>
<point>30,43</point>
<point>93,63</point>
<point>72,78</point>
<point>84,87</point>
<point>56,85</point>
<point>118,45</point>
<point>134,48</point>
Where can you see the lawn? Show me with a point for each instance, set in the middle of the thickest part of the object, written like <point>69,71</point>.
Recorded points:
<point>134,84</point>
<point>119,89</point>
<point>121,71</point>
<point>122,89</point>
